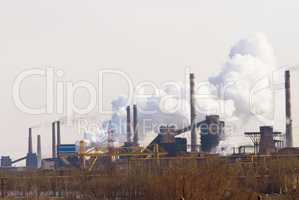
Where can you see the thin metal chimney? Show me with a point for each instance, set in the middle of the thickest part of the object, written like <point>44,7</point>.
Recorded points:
<point>289,131</point>
<point>129,134</point>
<point>39,152</point>
<point>30,141</point>
<point>58,133</point>
<point>193,115</point>
<point>54,155</point>
<point>135,126</point>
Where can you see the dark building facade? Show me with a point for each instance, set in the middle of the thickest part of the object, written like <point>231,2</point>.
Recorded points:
<point>211,132</point>
<point>31,161</point>
<point>6,161</point>
<point>167,141</point>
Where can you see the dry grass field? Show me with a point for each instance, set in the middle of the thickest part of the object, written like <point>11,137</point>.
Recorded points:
<point>213,179</point>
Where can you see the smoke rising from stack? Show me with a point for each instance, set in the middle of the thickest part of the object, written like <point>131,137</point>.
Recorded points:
<point>151,113</point>
<point>247,77</point>
<point>241,94</point>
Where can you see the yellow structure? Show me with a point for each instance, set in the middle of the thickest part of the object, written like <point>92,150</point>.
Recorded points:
<point>94,153</point>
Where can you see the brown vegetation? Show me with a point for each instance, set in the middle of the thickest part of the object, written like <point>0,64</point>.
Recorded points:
<point>166,179</point>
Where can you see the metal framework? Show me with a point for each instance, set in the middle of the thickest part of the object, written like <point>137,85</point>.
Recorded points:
<point>256,136</point>
<point>94,153</point>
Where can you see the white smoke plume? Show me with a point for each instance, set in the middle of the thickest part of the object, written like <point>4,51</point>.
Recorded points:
<point>241,94</point>
<point>246,80</point>
<point>165,107</point>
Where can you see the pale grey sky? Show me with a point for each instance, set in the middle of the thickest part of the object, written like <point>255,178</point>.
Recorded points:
<point>149,40</point>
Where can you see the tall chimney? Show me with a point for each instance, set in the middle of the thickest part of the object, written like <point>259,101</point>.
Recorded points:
<point>193,115</point>
<point>39,151</point>
<point>53,141</point>
<point>129,134</point>
<point>135,127</point>
<point>58,133</point>
<point>289,131</point>
<point>30,141</point>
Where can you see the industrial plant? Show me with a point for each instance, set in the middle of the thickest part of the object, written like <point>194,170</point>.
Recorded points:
<point>168,153</point>
<point>168,143</point>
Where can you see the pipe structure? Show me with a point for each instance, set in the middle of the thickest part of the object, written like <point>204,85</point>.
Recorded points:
<point>39,151</point>
<point>30,141</point>
<point>289,130</point>
<point>193,115</point>
<point>135,127</point>
<point>54,155</point>
<point>129,134</point>
<point>58,133</point>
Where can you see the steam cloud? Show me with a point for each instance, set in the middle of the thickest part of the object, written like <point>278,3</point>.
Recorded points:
<point>247,81</point>
<point>241,94</point>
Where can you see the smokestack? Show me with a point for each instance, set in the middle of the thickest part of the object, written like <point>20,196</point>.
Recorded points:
<point>39,151</point>
<point>58,133</point>
<point>135,138</point>
<point>193,115</point>
<point>30,141</point>
<point>53,141</point>
<point>289,131</point>
<point>128,124</point>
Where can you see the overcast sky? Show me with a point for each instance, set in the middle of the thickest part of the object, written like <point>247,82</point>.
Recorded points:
<point>149,40</point>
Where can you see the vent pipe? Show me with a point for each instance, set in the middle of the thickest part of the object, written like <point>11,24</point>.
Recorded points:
<point>289,131</point>
<point>135,126</point>
<point>39,151</point>
<point>53,141</point>
<point>129,134</point>
<point>193,115</point>
<point>58,133</point>
<point>30,141</point>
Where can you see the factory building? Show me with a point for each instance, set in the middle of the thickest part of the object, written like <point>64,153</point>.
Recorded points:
<point>208,133</point>
<point>6,162</point>
<point>48,164</point>
<point>264,141</point>
<point>211,132</point>
<point>168,143</point>
<point>31,161</point>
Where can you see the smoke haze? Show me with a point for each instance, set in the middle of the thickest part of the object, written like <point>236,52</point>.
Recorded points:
<point>241,94</point>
